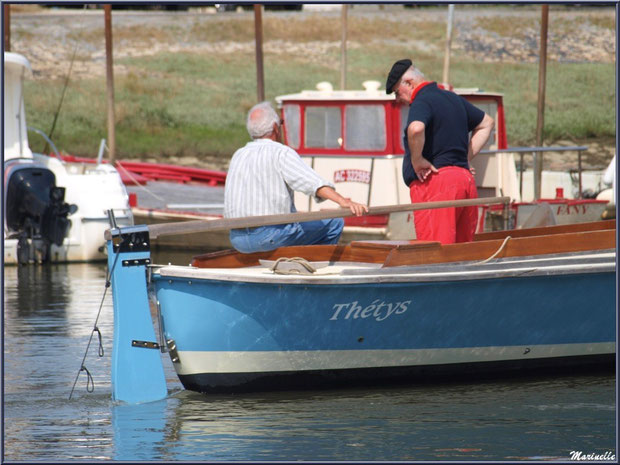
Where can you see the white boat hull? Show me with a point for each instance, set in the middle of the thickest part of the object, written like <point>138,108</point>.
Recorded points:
<point>94,190</point>
<point>81,193</point>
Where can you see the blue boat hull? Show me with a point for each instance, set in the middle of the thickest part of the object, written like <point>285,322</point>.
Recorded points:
<point>230,335</point>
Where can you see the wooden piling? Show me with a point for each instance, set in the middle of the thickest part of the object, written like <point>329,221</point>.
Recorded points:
<point>258,33</point>
<point>110,81</point>
<point>343,48</point>
<point>7,27</point>
<point>540,122</point>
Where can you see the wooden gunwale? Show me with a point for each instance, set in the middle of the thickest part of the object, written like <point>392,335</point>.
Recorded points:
<point>546,230</point>
<point>402,253</point>
<point>514,247</point>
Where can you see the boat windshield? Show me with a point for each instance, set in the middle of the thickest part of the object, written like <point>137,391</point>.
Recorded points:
<point>365,127</point>
<point>323,127</point>
<point>292,116</point>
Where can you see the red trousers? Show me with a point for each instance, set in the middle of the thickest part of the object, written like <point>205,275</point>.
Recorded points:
<point>446,225</point>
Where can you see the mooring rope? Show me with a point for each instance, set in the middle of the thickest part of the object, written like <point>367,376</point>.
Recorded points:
<point>90,383</point>
<point>128,173</point>
<point>501,247</point>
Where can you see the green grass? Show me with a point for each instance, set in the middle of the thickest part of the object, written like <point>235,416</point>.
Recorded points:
<point>191,104</point>
<point>579,98</point>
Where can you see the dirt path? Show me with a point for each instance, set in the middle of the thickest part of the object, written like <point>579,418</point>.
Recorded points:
<point>494,34</point>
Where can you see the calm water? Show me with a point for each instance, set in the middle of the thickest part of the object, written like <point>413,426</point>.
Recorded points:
<point>49,314</point>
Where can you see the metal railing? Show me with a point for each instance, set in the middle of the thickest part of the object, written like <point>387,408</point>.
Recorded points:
<point>534,150</point>
<point>520,150</point>
<point>46,138</point>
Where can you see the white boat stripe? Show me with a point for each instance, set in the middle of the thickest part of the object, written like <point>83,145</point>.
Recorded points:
<point>326,275</point>
<point>195,362</point>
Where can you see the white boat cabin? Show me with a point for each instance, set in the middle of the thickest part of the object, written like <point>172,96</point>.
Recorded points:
<point>67,221</point>
<point>354,138</point>
<point>16,68</point>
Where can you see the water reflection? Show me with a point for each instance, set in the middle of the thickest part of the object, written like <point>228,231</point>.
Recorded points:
<point>49,314</point>
<point>34,286</point>
<point>139,431</point>
<point>444,422</point>
<point>41,298</point>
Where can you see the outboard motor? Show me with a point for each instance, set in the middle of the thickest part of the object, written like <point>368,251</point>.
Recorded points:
<point>35,209</point>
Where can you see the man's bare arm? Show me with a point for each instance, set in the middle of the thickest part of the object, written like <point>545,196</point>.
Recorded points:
<point>415,139</point>
<point>326,192</point>
<point>480,136</point>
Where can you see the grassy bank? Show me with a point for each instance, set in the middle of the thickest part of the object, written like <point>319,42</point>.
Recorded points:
<point>193,103</point>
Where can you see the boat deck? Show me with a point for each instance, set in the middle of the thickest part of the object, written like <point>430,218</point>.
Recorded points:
<point>294,272</point>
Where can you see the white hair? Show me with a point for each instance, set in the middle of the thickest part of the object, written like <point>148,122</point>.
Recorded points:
<point>413,73</point>
<point>260,120</point>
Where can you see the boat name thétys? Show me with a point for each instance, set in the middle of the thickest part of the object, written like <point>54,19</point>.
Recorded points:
<point>378,309</point>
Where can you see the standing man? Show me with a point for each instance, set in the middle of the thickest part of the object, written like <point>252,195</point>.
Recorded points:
<point>438,150</point>
<point>261,180</point>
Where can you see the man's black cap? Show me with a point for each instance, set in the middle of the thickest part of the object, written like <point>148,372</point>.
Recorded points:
<point>398,69</point>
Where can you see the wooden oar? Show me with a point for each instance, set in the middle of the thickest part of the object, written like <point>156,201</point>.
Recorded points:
<point>197,226</point>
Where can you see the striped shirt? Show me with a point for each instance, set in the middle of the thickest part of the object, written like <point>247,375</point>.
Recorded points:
<point>262,178</point>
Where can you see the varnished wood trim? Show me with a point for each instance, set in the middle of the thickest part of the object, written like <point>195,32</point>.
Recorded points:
<point>331,253</point>
<point>398,253</point>
<point>395,244</point>
<point>546,230</point>
<point>515,247</point>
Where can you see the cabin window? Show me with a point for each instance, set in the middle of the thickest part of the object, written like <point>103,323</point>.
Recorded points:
<point>323,127</point>
<point>365,127</point>
<point>292,125</point>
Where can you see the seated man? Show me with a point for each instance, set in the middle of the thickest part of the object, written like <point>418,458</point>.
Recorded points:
<point>261,180</point>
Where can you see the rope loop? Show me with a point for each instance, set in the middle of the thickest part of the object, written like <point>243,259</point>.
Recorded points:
<point>100,341</point>
<point>300,266</point>
<point>90,382</point>
<point>95,329</point>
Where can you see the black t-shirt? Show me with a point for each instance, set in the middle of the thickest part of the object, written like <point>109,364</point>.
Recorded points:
<point>448,120</point>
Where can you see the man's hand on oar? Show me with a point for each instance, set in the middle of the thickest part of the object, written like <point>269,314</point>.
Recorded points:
<point>357,209</point>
